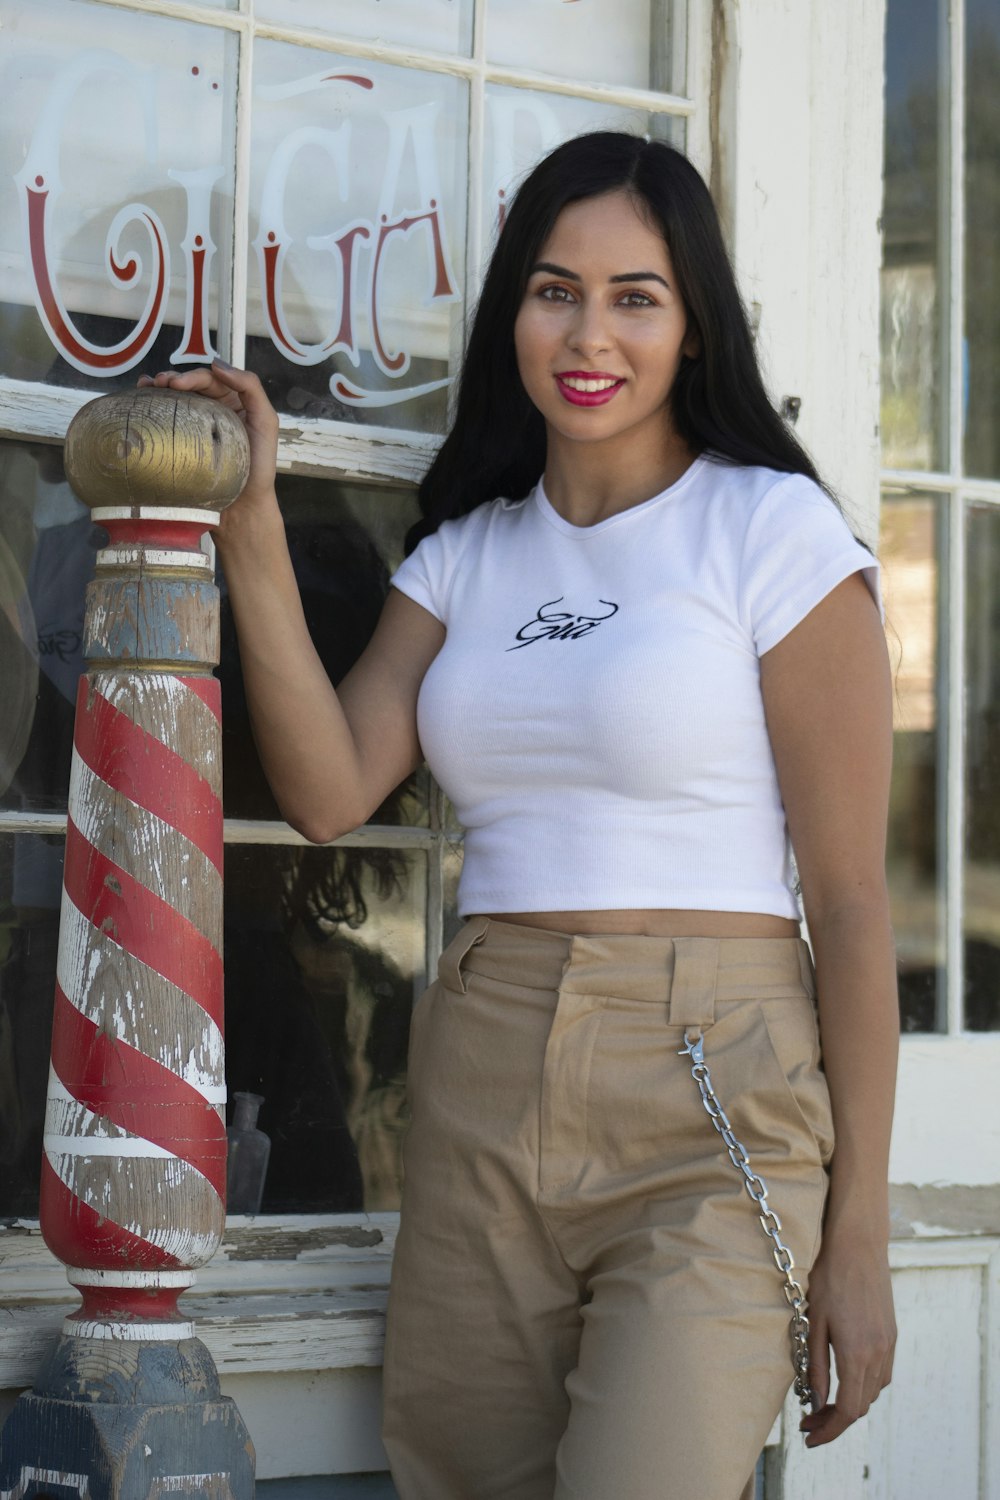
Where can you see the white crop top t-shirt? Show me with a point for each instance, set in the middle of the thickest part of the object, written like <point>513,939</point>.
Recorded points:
<point>595,713</point>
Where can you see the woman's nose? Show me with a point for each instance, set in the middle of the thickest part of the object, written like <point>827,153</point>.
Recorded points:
<point>590,333</point>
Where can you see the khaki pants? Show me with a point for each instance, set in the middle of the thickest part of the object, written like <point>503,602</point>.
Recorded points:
<point>583,1304</point>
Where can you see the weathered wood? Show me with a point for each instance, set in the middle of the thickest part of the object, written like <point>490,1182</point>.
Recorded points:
<point>156,447</point>
<point>134,1166</point>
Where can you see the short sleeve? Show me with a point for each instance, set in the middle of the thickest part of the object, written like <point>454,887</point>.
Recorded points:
<point>797,548</point>
<point>426,575</point>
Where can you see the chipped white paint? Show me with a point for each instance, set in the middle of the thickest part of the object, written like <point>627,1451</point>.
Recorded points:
<point>164,1333</point>
<point>130,559</point>
<point>143,1195</point>
<point>30,1474</point>
<point>156,513</point>
<point>150,850</point>
<point>86,1276</point>
<point>113,987</point>
<point>86,1149</point>
<point>165,708</point>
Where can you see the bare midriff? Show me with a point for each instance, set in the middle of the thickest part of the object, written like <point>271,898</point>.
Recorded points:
<point>656,923</point>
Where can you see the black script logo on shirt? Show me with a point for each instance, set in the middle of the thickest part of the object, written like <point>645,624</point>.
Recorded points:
<point>551,624</point>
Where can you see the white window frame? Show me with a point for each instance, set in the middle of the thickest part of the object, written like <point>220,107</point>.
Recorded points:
<point>940,1139</point>
<point>284,1289</point>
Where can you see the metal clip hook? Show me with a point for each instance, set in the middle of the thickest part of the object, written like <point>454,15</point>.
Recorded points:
<point>694,1047</point>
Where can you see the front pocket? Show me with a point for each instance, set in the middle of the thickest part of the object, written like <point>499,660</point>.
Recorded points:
<point>769,1082</point>
<point>794,1038</point>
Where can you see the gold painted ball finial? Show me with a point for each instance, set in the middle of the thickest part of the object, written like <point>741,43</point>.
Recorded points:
<point>157,447</point>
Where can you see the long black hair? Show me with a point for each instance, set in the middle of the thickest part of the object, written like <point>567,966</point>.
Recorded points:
<point>718,402</point>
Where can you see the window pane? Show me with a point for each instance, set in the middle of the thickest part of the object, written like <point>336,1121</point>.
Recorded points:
<point>324,959</point>
<point>431,25</point>
<point>911,550</point>
<point>982,772</point>
<point>358,185</point>
<point>639,43</point>
<point>30,890</point>
<point>915,237</point>
<point>345,541</point>
<point>48,550</point>
<point>116,157</point>
<point>982,238</point>
<point>523,125</point>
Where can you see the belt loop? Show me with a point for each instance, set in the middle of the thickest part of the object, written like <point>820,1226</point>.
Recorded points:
<point>692,988</point>
<point>450,962</point>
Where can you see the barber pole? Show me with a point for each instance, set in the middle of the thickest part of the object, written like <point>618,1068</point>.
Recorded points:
<point>134,1170</point>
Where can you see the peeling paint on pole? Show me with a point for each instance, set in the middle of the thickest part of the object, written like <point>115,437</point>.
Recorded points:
<point>134,1167</point>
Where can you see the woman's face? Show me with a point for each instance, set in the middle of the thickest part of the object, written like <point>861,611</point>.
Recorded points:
<point>600,333</point>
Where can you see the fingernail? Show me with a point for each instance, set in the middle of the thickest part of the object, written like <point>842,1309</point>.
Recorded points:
<point>222,364</point>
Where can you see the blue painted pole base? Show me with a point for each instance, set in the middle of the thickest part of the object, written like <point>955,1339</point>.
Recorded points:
<point>113,1419</point>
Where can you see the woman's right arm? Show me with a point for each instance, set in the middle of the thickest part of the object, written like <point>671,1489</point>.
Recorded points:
<point>331,757</point>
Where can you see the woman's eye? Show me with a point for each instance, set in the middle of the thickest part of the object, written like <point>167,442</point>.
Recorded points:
<point>555,293</point>
<point>637,299</point>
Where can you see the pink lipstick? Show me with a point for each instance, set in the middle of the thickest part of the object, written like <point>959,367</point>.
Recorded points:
<point>588,387</point>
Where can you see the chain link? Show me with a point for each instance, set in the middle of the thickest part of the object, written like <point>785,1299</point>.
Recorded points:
<point>694,1047</point>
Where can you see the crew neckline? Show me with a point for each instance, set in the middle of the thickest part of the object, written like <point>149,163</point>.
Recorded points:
<point>549,513</point>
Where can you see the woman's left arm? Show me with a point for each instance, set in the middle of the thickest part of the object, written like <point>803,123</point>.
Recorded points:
<point>828,699</point>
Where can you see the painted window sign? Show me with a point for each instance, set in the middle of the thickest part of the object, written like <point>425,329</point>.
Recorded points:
<point>120,249</point>
<point>357,219</point>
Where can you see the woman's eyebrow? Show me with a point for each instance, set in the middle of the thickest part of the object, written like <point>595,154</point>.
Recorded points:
<point>549,269</point>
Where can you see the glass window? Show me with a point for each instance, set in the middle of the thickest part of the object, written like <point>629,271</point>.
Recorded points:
<point>116,184</point>
<point>915,238</point>
<point>940,390</point>
<point>981,925</point>
<point>358,217</point>
<point>324,956</point>
<point>345,541</point>
<point>523,124</point>
<point>633,42</point>
<point>910,550</point>
<point>982,238</point>
<point>48,550</point>
<point>428,25</point>
<point>30,887</point>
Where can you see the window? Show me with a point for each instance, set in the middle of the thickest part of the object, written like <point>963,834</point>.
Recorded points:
<point>941,504</point>
<point>311,189</point>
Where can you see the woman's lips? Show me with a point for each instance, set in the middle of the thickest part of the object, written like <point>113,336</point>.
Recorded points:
<point>578,388</point>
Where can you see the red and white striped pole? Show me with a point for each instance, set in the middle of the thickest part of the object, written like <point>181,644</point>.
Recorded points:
<point>134,1171</point>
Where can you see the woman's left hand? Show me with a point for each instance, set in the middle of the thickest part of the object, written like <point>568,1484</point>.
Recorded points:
<point>850,1311</point>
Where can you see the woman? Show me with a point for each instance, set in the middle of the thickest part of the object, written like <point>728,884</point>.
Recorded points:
<point>628,682</point>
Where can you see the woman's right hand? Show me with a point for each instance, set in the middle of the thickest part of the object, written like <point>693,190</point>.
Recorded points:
<point>243,394</point>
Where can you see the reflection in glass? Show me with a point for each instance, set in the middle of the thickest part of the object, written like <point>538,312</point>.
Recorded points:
<point>48,551</point>
<point>982,238</point>
<point>638,43</point>
<point>982,772</point>
<point>116,146</point>
<point>910,550</point>
<point>345,541</point>
<point>523,125</point>
<point>358,175</point>
<point>431,26</point>
<point>30,889</point>
<point>324,959</point>
<point>915,237</point>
